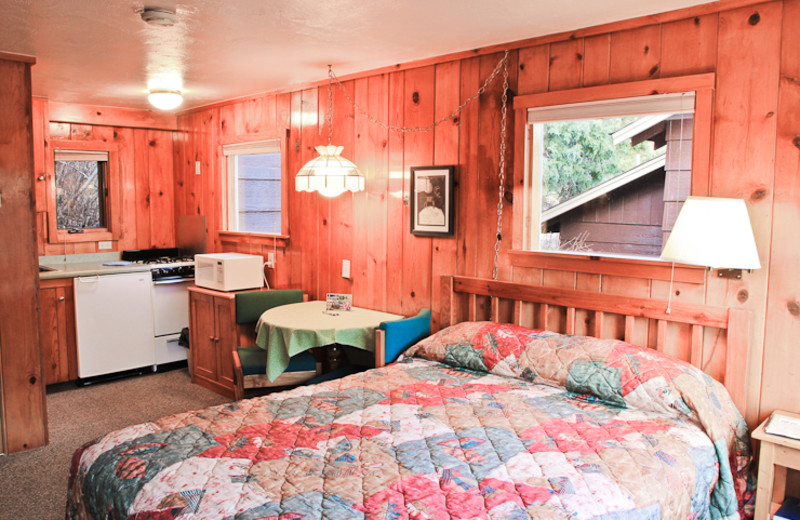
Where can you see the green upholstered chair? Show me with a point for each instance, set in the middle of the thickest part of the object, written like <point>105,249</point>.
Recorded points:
<point>250,362</point>
<point>393,337</point>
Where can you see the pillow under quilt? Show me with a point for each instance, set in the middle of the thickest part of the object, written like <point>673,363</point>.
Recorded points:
<point>615,373</point>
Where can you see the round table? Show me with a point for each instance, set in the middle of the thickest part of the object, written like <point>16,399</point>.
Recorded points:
<point>290,329</point>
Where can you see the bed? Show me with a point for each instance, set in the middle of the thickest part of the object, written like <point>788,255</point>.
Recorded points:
<point>499,414</point>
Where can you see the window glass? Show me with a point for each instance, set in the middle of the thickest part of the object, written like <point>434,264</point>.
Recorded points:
<point>81,190</point>
<point>612,182</point>
<point>258,186</point>
<point>254,187</point>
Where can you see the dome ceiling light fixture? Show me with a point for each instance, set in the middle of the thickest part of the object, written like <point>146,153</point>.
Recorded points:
<point>158,16</point>
<point>165,99</point>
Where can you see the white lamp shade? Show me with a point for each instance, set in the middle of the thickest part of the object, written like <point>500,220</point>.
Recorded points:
<point>713,232</point>
<point>165,99</point>
<point>330,173</point>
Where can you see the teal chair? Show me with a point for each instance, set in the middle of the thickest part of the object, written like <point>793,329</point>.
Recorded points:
<point>393,337</point>
<point>250,362</point>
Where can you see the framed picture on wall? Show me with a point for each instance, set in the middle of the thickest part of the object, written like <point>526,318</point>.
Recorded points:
<point>431,200</point>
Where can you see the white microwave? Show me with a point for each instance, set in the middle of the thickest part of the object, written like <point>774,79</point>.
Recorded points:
<point>229,271</point>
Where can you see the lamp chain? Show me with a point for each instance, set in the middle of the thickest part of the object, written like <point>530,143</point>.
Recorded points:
<point>501,167</point>
<point>330,104</point>
<point>501,65</point>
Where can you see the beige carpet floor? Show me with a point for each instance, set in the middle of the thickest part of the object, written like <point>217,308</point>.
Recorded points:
<point>33,484</point>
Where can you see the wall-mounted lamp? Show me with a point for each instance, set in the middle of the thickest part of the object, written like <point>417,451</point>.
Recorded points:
<point>165,99</point>
<point>716,233</point>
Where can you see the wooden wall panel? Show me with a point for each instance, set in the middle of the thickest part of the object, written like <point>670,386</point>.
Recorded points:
<point>635,54</point>
<point>396,202</point>
<point>417,151</point>
<point>741,45</point>
<point>748,62</point>
<point>780,370</point>
<point>445,152</point>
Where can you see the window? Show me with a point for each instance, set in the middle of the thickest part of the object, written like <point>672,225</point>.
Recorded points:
<point>83,200</point>
<point>81,189</point>
<point>255,187</point>
<point>608,177</point>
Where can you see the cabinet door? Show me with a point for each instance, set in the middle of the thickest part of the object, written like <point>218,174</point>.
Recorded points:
<point>226,339</point>
<point>57,314</point>
<point>203,336</point>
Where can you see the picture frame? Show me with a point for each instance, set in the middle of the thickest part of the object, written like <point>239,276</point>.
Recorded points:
<point>431,201</point>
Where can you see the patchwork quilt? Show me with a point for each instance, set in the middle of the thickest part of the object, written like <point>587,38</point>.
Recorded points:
<point>480,420</point>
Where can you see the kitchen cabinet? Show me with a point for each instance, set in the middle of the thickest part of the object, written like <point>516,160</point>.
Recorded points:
<point>58,344</point>
<point>213,336</point>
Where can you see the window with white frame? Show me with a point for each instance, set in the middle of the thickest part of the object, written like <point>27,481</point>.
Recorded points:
<point>254,202</point>
<point>607,177</point>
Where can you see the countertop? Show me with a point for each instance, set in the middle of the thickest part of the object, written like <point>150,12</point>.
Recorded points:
<point>73,266</point>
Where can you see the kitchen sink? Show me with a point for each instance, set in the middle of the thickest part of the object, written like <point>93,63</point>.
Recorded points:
<point>44,269</point>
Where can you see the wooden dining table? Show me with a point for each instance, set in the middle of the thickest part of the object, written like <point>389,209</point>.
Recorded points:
<point>290,329</point>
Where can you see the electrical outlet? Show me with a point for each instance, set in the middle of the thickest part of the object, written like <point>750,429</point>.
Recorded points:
<point>271,260</point>
<point>105,244</point>
<point>197,167</point>
<point>345,268</point>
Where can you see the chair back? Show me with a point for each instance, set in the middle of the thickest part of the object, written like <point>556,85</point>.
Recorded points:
<point>401,334</point>
<point>251,304</point>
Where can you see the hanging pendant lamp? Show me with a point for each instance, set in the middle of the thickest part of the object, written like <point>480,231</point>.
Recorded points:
<point>330,174</point>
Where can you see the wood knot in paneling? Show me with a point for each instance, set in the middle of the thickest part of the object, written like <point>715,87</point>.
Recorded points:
<point>415,98</point>
<point>754,18</point>
<point>646,49</point>
<point>697,20</point>
<point>796,141</point>
<point>742,295</point>
<point>793,308</point>
<point>152,143</point>
<point>653,71</point>
<point>759,194</point>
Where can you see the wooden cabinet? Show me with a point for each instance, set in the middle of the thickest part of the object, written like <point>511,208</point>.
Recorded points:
<point>213,335</point>
<point>58,344</point>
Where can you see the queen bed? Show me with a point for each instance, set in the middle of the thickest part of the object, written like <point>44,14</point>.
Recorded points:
<point>493,416</point>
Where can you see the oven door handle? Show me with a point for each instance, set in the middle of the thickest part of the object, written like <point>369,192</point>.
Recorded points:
<point>172,280</point>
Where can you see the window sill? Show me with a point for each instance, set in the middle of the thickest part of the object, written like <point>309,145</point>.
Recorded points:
<point>88,235</point>
<point>236,237</point>
<point>609,265</point>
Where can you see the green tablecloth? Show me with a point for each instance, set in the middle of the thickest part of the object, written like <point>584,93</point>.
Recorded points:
<point>290,329</point>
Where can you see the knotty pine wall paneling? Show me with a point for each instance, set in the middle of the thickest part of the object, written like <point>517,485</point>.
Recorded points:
<point>743,151</point>
<point>445,151</point>
<point>740,42</point>
<point>780,367</point>
<point>418,104</point>
<point>396,210</point>
<point>146,162</point>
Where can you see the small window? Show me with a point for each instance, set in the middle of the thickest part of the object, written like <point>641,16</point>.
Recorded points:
<point>608,177</point>
<point>81,179</point>
<point>255,187</point>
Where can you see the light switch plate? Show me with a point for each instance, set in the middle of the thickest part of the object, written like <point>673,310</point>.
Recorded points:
<point>105,244</point>
<point>197,167</point>
<point>345,268</point>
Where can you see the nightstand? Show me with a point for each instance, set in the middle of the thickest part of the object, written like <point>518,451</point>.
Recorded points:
<point>777,454</point>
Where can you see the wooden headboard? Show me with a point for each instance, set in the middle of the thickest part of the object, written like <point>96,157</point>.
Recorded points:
<point>689,332</point>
